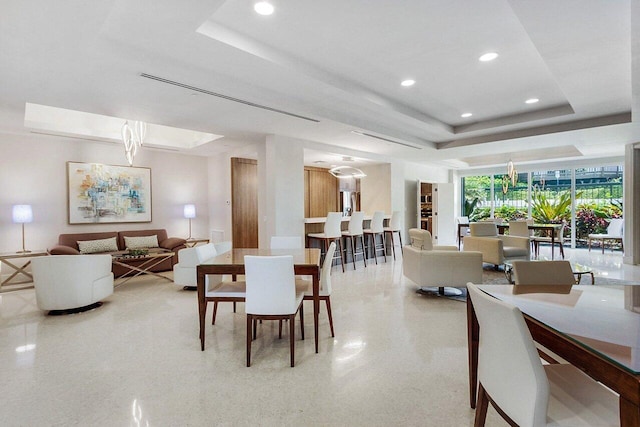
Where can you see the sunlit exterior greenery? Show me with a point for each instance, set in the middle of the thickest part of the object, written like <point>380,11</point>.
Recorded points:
<point>547,198</point>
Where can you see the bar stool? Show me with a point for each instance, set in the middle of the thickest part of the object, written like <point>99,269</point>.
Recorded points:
<point>332,233</point>
<point>394,227</point>
<point>355,230</point>
<point>376,229</point>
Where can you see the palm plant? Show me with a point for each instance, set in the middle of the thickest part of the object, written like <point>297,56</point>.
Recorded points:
<point>546,210</point>
<point>470,206</point>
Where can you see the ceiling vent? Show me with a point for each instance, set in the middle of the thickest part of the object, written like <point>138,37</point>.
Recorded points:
<point>357,132</point>
<point>228,98</point>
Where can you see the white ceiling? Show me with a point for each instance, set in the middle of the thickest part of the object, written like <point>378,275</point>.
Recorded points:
<point>326,68</point>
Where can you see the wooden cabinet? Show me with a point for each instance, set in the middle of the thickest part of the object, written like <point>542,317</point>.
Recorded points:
<point>435,211</point>
<point>321,192</point>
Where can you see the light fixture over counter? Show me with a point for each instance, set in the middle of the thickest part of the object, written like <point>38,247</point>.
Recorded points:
<point>347,172</point>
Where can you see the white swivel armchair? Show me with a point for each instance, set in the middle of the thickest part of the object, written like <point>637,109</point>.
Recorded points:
<point>495,248</point>
<point>441,267</point>
<point>71,283</point>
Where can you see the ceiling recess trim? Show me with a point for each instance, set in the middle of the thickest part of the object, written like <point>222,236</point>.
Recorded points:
<point>357,132</point>
<point>228,98</point>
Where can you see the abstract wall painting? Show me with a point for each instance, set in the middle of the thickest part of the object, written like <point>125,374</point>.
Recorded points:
<point>108,194</point>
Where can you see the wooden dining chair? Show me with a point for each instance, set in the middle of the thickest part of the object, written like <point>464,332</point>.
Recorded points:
<point>558,239</point>
<point>325,284</point>
<point>271,295</point>
<point>522,390</point>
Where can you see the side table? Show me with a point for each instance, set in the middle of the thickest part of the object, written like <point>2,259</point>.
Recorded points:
<point>20,275</point>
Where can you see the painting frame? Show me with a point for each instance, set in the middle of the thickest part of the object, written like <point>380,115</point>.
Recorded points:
<point>108,194</point>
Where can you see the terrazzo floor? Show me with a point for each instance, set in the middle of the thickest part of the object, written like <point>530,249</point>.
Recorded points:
<point>398,358</point>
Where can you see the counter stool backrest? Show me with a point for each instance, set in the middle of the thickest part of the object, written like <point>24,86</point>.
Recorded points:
<point>394,222</point>
<point>377,222</point>
<point>332,227</point>
<point>355,223</point>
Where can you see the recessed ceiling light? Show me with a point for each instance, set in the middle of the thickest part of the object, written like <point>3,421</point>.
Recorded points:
<point>488,57</point>
<point>465,115</point>
<point>263,8</point>
<point>408,82</point>
<point>531,101</point>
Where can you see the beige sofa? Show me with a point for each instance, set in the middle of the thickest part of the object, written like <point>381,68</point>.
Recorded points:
<point>439,266</point>
<point>68,245</point>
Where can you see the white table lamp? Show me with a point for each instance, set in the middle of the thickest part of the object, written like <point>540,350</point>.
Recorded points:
<point>22,214</point>
<point>190,213</point>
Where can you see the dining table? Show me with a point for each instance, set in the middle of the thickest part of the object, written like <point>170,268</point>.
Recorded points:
<point>306,262</point>
<point>595,328</point>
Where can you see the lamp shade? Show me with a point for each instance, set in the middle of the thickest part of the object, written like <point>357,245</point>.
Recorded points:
<point>22,214</point>
<point>189,211</point>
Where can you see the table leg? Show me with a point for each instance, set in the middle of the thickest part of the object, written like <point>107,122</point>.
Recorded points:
<point>18,270</point>
<point>473,339</point>
<point>202,307</point>
<point>553,241</point>
<point>629,413</point>
<point>316,303</point>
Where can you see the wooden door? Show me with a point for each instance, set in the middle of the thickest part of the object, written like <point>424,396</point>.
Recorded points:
<point>323,193</point>
<point>244,202</point>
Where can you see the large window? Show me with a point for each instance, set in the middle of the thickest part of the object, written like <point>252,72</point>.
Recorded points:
<point>546,196</point>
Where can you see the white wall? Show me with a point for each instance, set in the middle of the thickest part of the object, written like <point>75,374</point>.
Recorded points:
<point>33,171</point>
<point>375,189</point>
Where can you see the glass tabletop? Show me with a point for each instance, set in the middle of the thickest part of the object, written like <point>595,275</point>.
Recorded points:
<point>605,319</point>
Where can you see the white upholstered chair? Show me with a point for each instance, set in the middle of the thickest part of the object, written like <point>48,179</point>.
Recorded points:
<point>542,273</point>
<point>392,229</point>
<point>440,267</point>
<point>71,283</point>
<point>325,284</point>
<point>271,295</point>
<point>495,248</point>
<point>332,233</point>
<point>526,393</point>
<point>355,232</point>
<point>217,289</point>
<point>615,233</point>
<point>376,228</point>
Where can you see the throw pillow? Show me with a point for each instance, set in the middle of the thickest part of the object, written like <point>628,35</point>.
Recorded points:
<point>97,246</point>
<point>141,242</point>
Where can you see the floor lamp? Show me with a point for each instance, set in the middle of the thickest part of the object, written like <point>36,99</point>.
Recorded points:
<point>22,214</point>
<point>190,213</point>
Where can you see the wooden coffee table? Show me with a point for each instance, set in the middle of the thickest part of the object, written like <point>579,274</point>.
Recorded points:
<point>143,265</point>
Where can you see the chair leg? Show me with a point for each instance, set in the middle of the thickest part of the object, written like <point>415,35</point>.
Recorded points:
<point>372,246</point>
<point>292,330</point>
<point>301,319</point>
<point>602,246</point>
<point>384,247</point>
<point>341,253</point>
<point>215,310</point>
<point>481,407</point>
<point>353,251</point>
<point>562,250</point>
<point>234,306</point>
<point>328,301</point>
<point>589,240</point>
<point>400,239</point>
<point>364,250</point>
<point>255,328</point>
<point>249,333</point>
<point>280,329</point>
